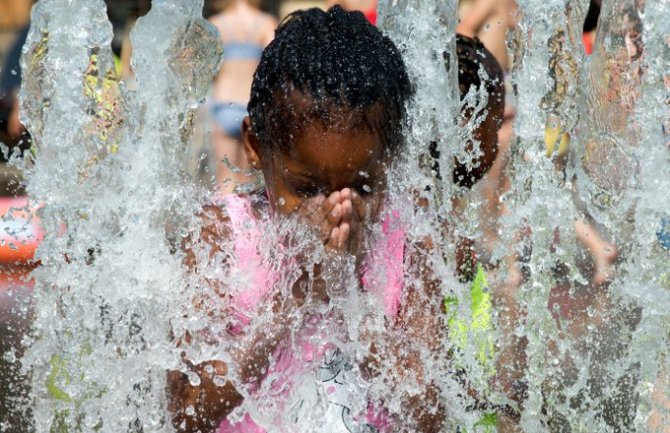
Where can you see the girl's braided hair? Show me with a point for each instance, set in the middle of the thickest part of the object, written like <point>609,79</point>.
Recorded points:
<point>335,60</point>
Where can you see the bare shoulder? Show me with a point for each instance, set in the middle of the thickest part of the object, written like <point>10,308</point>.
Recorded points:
<point>218,219</point>
<point>218,20</point>
<point>268,26</point>
<point>215,226</point>
<point>215,220</point>
<point>511,12</point>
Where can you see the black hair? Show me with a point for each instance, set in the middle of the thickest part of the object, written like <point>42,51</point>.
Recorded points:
<point>472,57</point>
<point>336,59</point>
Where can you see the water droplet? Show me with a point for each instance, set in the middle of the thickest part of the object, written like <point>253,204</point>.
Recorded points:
<point>9,356</point>
<point>366,188</point>
<point>281,201</point>
<point>193,378</point>
<point>219,380</point>
<point>590,311</point>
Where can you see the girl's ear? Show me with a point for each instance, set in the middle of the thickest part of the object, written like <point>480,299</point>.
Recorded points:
<point>251,144</point>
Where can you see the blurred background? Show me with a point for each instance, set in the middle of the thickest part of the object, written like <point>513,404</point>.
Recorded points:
<point>14,21</point>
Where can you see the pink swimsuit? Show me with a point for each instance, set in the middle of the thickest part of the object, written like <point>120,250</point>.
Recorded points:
<point>382,276</point>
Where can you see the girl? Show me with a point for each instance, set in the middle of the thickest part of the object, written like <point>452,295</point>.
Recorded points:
<point>325,117</point>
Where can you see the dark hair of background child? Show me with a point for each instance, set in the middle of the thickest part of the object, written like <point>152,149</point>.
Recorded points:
<point>473,56</point>
<point>591,20</point>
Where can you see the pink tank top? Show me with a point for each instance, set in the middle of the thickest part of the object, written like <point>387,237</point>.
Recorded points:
<point>382,276</point>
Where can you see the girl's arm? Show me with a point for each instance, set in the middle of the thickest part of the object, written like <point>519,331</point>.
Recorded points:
<point>194,399</point>
<point>203,397</point>
<point>423,322</point>
<point>201,404</point>
<point>201,407</point>
<point>414,346</point>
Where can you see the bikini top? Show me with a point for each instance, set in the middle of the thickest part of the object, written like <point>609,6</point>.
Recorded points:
<point>238,50</point>
<point>244,48</point>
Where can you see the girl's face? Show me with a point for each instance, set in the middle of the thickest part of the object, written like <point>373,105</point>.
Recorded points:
<point>322,160</point>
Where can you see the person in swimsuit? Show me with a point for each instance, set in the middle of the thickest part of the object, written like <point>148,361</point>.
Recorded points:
<point>12,132</point>
<point>325,124</point>
<point>245,31</point>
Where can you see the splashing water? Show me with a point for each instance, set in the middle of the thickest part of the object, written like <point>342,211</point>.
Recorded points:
<point>108,175</point>
<point>115,297</point>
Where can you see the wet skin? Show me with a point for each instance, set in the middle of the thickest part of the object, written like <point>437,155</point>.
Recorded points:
<point>332,176</point>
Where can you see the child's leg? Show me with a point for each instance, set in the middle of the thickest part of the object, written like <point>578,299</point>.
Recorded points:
<point>603,253</point>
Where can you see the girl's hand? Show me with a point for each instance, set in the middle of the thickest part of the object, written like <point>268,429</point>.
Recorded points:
<point>201,407</point>
<point>334,218</point>
<point>322,213</point>
<point>353,211</point>
<point>341,234</point>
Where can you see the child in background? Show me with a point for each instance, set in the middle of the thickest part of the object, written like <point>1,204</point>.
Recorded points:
<point>472,57</point>
<point>481,127</point>
<point>325,120</point>
<point>480,72</point>
<point>245,32</point>
<point>494,22</point>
